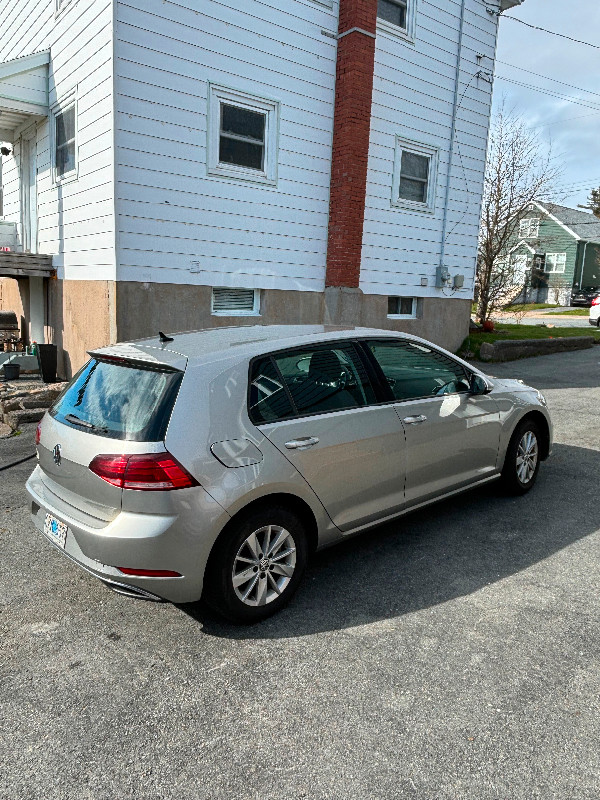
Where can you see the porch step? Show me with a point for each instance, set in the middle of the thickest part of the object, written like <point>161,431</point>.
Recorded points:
<point>15,418</point>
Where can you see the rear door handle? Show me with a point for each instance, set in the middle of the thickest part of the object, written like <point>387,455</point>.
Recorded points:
<point>415,420</point>
<point>302,444</point>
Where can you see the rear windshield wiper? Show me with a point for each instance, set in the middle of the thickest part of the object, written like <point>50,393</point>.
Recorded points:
<point>83,423</point>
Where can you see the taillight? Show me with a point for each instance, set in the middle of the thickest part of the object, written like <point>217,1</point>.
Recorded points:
<point>151,472</point>
<point>38,433</point>
<point>596,301</point>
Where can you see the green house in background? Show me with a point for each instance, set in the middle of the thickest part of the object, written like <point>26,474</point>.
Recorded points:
<point>557,250</point>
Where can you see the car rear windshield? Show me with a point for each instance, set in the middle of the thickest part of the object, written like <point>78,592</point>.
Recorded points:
<point>119,401</point>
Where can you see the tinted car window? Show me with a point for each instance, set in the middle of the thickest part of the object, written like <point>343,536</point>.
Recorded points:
<point>268,400</point>
<point>325,379</point>
<point>414,370</point>
<point>119,402</point>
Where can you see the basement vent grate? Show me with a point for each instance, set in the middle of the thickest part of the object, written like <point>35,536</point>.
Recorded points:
<point>235,302</point>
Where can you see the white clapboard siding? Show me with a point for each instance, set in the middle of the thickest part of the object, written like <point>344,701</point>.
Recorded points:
<point>415,102</point>
<point>175,222</point>
<point>75,219</point>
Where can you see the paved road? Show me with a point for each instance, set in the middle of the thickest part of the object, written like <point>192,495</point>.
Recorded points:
<point>552,319</point>
<point>449,656</point>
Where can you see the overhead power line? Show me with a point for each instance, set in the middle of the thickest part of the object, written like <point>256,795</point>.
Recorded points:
<point>553,33</point>
<point>548,78</point>
<point>549,92</point>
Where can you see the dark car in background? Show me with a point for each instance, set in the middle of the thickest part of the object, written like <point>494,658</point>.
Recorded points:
<point>584,297</point>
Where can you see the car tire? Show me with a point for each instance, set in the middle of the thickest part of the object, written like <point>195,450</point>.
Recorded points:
<point>257,565</point>
<point>522,461</point>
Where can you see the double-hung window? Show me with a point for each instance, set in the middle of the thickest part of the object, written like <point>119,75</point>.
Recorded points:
<point>529,228</point>
<point>415,171</point>
<point>397,17</point>
<point>556,262</point>
<point>242,136</point>
<point>65,143</point>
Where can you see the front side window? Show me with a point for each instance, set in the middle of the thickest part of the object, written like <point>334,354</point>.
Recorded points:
<point>242,136</point>
<point>414,370</point>
<point>414,175</point>
<point>404,307</point>
<point>529,228</point>
<point>556,262</point>
<point>65,163</point>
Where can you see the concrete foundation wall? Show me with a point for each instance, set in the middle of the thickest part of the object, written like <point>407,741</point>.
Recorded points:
<point>142,309</point>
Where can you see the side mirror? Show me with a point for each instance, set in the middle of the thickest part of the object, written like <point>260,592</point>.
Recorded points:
<point>479,385</point>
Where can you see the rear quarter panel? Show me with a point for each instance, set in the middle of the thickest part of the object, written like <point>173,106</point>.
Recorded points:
<point>211,407</point>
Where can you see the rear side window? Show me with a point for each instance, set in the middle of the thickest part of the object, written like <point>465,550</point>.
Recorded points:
<point>414,370</point>
<point>308,381</point>
<point>120,402</point>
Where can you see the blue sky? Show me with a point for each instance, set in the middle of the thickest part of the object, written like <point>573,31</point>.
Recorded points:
<point>572,127</point>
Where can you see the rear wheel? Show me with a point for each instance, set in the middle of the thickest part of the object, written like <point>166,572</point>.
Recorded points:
<point>522,460</point>
<point>257,566</point>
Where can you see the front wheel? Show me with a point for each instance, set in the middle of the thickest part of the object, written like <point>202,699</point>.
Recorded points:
<point>522,460</point>
<point>257,566</point>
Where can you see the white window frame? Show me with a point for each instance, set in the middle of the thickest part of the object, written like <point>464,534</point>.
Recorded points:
<point>222,94</point>
<point>519,263</point>
<point>413,315</point>
<point>255,312</point>
<point>418,149</point>
<point>60,108</point>
<point>408,33</point>
<point>560,259</point>
<point>529,228</point>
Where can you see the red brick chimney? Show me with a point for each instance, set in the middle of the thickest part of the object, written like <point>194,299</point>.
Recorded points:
<point>351,127</point>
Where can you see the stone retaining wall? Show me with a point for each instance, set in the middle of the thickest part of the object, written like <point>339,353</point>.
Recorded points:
<point>510,349</point>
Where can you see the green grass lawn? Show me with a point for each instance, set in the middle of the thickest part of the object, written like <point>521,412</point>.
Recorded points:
<point>573,312</point>
<point>529,306</point>
<point>474,341</point>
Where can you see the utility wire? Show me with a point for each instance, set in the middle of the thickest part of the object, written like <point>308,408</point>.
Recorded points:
<point>554,33</point>
<point>548,78</point>
<point>548,92</point>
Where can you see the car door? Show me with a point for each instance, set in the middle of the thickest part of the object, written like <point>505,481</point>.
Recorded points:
<point>317,405</point>
<point>452,434</point>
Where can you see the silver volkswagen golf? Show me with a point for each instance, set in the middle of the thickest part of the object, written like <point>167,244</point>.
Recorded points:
<point>211,464</point>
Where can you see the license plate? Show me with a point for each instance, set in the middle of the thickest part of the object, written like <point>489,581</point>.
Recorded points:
<point>55,530</point>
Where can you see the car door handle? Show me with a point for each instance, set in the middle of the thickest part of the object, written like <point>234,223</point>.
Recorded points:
<point>415,420</point>
<point>302,444</point>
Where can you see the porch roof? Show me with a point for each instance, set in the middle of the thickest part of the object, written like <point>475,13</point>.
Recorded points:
<point>23,92</point>
<point>25,265</point>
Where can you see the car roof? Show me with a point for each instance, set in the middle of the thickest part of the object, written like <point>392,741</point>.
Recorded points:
<point>240,341</point>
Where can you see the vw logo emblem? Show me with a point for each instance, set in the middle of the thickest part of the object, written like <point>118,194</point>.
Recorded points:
<point>56,455</point>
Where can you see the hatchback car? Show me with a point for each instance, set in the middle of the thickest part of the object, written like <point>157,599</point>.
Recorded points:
<point>213,463</point>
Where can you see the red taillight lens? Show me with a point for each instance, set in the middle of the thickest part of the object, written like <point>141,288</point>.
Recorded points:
<point>596,301</point>
<point>152,472</point>
<point>38,433</point>
<point>150,573</point>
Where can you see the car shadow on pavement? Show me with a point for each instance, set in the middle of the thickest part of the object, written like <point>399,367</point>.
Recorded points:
<point>446,551</point>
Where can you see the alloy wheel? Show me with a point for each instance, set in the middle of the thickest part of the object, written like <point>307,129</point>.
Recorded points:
<point>264,565</point>
<point>527,457</point>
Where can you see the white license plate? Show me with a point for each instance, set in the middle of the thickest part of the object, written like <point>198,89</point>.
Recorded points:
<point>55,530</point>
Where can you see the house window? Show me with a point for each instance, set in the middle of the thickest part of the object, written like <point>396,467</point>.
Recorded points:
<point>518,268</point>
<point>235,302</point>
<point>402,307</point>
<point>529,228</point>
<point>242,136</point>
<point>397,17</point>
<point>65,148</point>
<point>415,168</point>
<point>555,262</point>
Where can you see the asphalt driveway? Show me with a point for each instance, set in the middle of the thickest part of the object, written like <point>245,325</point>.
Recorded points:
<point>453,654</point>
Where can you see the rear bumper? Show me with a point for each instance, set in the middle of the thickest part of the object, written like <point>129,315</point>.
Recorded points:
<point>180,542</point>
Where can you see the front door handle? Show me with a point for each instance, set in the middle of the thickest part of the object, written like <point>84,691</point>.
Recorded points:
<point>302,444</point>
<point>415,420</point>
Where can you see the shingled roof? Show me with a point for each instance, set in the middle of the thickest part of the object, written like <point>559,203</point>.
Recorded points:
<point>584,225</point>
